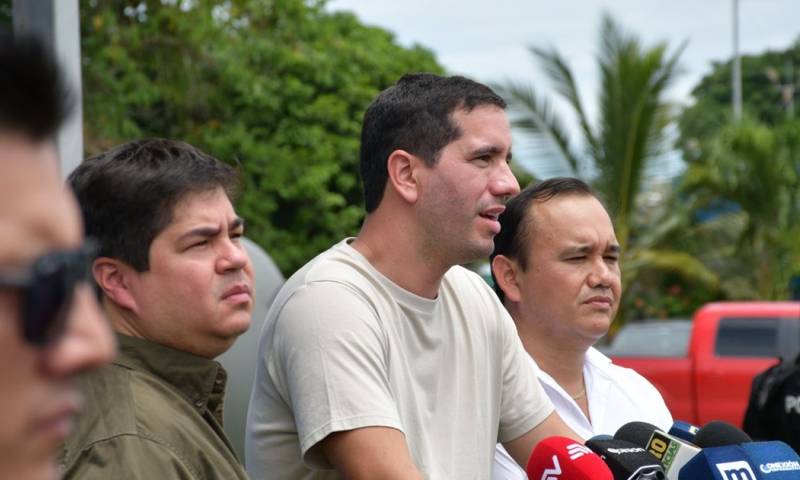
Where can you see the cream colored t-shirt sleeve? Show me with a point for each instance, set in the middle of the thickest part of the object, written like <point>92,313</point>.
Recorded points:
<point>330,362</point>
<point>523,403</point>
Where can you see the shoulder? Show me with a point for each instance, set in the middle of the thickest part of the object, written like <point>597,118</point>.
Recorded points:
<point>627,379</point>
<point>108,408</point>
<point>464,287</point>
<point>129,456</point>
<point>336,275</point>
<point>642,394</point>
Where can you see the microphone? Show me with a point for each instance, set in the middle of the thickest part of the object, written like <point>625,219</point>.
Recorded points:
<point>672,452</point>
<point>775,460</point>
<point>683,430</point>
<point>562,458</point>
<point>626,460</point>
<point>730,462</point>
<point>720,434</point>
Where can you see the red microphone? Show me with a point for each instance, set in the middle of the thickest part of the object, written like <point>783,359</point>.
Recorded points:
<point>562,458</point>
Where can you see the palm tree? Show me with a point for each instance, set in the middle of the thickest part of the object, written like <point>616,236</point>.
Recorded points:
<point>756,170</point>
<point>630,132</point>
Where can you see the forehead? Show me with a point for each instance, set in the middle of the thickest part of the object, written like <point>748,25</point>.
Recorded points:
<point>37,211</point>
<point>570,219</point>
<point>208,206</point>
<point>484,123</point>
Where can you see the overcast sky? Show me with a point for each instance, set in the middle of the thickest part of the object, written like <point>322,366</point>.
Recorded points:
<point>488,40</point>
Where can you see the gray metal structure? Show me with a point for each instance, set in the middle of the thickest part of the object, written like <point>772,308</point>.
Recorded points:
<point>240,361</point>
<point>57,24</point>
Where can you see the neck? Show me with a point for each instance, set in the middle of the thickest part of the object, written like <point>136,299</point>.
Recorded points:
<point>122,321</point>
<point>562,359</point>
<point>394,250</point>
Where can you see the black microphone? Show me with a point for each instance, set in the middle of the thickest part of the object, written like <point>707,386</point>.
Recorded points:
<point>672,452</point>
<point>719,434</point>
<point>626,460</point>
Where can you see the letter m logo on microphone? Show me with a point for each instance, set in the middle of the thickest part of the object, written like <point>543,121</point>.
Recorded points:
<point>576,450</point>
<point>739,470</point>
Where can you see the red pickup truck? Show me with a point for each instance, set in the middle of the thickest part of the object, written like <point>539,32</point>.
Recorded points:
<point>704,367</point>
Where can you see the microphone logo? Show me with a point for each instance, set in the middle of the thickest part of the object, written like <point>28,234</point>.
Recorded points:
<point>739,470</point>
<point>552,473</point>
<point>576,450</point>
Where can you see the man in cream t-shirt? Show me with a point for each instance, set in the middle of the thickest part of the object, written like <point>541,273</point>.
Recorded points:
<point>381,358</point>
<point>556,269</point>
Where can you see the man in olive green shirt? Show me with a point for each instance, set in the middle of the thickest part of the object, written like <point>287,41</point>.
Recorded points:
<point>177,286</point>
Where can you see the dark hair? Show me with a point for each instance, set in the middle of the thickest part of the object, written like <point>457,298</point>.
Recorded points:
<point>128,194</point>
<point>516,224</point>
<point>414,115</point>
<point>34,99</point>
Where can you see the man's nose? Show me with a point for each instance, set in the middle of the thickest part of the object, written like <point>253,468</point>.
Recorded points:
<point>504,183</point>
<point>232,256</point>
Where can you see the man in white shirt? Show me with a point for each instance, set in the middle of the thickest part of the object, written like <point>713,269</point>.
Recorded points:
<point>556,269</point>
<point>381,358</point>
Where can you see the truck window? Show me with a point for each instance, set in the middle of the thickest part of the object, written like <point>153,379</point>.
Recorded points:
<point>652,339</point>
<point>747,337</point>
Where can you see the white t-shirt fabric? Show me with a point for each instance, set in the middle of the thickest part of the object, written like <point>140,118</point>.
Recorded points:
<point>343,347</point>
<point>616,396</point>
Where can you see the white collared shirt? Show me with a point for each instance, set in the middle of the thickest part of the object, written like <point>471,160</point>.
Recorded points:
<point>616,395</point>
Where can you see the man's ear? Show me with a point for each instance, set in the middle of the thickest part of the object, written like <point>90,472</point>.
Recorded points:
<point>402,167</point>
<point>114,278</point>
<point>505,273</point>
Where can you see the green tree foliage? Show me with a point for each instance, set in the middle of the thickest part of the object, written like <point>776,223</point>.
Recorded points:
<point>742,180</point>
<point>763,98</point>
<point>629,134</point>
<point>277,86</point>
<point>755,171</point>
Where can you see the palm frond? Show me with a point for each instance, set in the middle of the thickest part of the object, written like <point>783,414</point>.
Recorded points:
<point>537,118</point>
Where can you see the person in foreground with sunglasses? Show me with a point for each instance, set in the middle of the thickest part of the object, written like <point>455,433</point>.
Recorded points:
<point>177,285</point>
<point>51,327</point>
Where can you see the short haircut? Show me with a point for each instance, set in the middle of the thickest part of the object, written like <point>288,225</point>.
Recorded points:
<point>414,115</point>
<point>516,223</point>
<point>128,194</point>
<point>34,98</point>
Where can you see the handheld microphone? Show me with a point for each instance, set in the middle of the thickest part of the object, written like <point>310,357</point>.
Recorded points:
<point>774,460</point>
<point>562,458</point>
<point>672,452</point>
<point>626,460</point>
<point>683,430</point>
<point>719,434</point>
<point>721,463</point>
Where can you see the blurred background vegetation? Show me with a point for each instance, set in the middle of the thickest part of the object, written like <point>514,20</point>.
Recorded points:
<point>278,87</point>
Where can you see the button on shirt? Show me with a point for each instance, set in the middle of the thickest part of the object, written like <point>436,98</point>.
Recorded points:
<point>154,413</point>
<point>616,396</point>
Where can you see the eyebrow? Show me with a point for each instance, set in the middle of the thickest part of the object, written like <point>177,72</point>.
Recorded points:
<point>489,150</point>
<point>237,223</point>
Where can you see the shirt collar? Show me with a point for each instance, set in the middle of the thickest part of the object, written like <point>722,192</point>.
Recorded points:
<point>200,380</point>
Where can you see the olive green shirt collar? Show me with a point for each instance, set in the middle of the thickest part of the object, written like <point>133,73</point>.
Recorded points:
<point>200,380</point>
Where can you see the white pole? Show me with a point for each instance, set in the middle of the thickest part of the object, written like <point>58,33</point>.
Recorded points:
<point>737,66</point>
<point>57,24</point>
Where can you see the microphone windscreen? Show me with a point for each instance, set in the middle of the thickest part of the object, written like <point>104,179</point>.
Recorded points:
<point>719,434</point>
<point>721,463</point>
<point>774,460</point>
<point>565,458</point>
<point>683,430</point>
<point>626,460</point>
<point>638,433</point>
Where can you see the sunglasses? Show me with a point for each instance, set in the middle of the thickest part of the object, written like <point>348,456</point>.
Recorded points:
<point>47,287</point>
